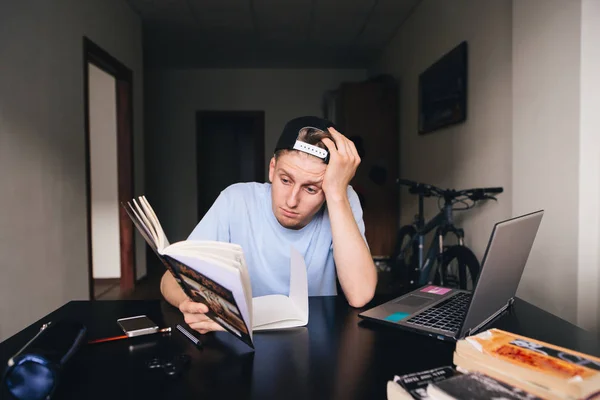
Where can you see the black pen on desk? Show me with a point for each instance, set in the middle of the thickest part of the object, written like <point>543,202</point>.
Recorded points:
<point>193,338</point>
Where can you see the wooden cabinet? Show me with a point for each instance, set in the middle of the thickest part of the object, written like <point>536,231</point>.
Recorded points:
<point>367,113</point>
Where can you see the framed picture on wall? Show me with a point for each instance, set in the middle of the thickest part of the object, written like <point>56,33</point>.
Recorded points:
<point>443,91</point>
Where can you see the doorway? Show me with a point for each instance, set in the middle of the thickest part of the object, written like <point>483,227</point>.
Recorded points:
<point>108,108</point>
<point>230,149</point>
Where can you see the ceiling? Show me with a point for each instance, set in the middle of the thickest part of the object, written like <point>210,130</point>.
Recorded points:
<point>268,33</point>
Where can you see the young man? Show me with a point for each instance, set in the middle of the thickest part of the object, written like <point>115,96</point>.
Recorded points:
<point>309,205</point>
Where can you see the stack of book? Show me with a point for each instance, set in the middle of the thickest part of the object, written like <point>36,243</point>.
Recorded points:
<point>544,369</point>
<point>500,364</point>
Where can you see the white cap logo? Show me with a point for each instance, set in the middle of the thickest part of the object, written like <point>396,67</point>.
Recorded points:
<point>310,149</point>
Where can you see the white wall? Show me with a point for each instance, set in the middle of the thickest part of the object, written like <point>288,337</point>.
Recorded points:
<point>174,96</point>
<point>106,251</point>
<point>546,124</point>
<point>476,153</point>
<point>588,286</point>
<point>43,234</point>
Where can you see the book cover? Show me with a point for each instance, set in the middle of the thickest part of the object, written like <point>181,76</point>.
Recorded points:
<point>475,386</point>
<point>470,364</point>
<point>416,383</point>
<point>536,355</point>
<point>222,307</point>
<point>576,374</point>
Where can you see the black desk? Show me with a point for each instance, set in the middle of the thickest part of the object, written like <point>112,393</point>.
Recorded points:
<point>335,357</point>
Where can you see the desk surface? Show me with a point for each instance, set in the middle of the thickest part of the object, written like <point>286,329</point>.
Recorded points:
<point>338,356</point>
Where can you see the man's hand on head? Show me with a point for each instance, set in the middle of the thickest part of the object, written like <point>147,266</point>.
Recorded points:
<point>343,162</point>
<point>195,316</point>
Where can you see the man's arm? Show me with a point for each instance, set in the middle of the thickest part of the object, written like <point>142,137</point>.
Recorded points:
<point>171,290</point>
<point>354,264</point>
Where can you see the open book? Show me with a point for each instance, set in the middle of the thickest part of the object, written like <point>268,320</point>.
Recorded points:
<point>215,274</point>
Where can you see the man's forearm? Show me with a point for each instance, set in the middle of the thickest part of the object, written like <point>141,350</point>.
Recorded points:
<point>171,290</point>
<point>355,269</point>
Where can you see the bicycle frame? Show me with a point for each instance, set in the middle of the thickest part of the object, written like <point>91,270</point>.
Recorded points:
<point>443,223</point>
<point>424,263</point>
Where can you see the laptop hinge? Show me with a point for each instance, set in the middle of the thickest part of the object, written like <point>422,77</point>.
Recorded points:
<point>493,316</point>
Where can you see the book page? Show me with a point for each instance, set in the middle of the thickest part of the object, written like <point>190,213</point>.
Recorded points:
<point>144,231</point>
<point>152,221</point>
<point>146,234</point>
<point>142,216</point>
<point>163,242</point>
<point>223,262</point>
<point>273,311</point>
<point>280,311</point>
<point>222,249</point>
<point>298,282</point>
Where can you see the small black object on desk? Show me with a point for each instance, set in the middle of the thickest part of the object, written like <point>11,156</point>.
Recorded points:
<point>190,336</point>
<point>171,366</point>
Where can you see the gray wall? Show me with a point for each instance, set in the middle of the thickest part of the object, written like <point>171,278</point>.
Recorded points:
<point>43,234</point>
<point>556,151</point>
<point>589,147</point>
<point>478,152</point>
<point>174,95</point>
<point>546,104</point>
<point>588,288</point>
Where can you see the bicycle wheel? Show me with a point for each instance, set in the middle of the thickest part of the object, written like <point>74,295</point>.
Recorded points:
<point>459,268</point>
<point>404,262</point>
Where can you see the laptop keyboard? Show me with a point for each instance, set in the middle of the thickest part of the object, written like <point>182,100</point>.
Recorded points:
<point>446,316</point>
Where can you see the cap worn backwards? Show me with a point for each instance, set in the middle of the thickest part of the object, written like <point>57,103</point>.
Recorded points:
<point>289,137</point>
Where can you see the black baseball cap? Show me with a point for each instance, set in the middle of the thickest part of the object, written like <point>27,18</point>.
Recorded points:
<point>289,137</point>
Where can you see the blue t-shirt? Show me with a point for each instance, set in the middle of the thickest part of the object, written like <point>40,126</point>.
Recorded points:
<point>242,214</point>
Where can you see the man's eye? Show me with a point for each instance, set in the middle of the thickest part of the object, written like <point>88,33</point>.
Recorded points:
<point>311,190</point>
<point>286,181</point>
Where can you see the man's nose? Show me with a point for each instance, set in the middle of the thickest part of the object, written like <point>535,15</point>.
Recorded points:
<point>292,199</point>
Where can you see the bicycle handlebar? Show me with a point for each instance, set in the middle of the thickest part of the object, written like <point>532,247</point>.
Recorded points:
<point>490,190</point>
<point>449,194</point>
<point>421,188</point>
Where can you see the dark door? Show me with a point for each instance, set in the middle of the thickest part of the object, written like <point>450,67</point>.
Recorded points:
<point>230,149</point>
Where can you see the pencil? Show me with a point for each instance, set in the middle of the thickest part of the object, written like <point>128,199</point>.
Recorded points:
<point>110,339</point>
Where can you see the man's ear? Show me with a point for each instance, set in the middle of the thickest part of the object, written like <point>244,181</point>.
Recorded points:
<point>272,169</point>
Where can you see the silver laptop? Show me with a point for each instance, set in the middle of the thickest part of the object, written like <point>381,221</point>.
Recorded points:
<point>451,314</point>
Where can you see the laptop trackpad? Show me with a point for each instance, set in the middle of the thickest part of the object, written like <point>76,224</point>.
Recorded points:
<point>413,301</point>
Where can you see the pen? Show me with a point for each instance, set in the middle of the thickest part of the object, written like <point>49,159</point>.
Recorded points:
<point>193,338</point>
<point>110,339</point>
<point>11,361</point>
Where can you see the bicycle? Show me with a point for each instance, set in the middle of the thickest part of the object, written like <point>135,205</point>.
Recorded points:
<point>451,266</point>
